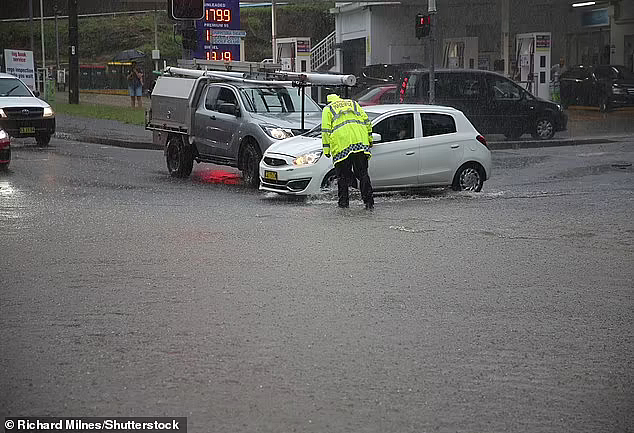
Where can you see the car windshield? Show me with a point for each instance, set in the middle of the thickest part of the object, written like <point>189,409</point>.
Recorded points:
<point>265,99</point>
<point>13,87</point>
<point>623,73</point>
<point>369,94</point>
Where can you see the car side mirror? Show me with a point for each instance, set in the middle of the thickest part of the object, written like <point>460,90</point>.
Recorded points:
<point>36,93</point>
<point>376,137</point>
<point>228,108</point>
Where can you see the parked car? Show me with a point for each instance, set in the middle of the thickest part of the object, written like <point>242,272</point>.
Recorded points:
<point>605,86</point>
<point>414,146</point>
<point>380,94</point>
<point>381,74</point>
<point>492,102</point>
<point>5,149</point>
<point>22,113</point>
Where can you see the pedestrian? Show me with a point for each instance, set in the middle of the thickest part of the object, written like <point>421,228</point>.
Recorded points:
<point>135,84</point>
<point>555,73</point>
<point>346,134</point>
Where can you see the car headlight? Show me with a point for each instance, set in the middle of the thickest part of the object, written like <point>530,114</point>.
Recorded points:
<point>307,158</point>
<point>2,113</point>
<point>277,133</point>
<point>48,112</point>
<point>618,90</point>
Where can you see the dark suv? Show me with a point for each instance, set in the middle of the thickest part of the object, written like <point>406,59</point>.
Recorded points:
<point>605,86</point>
<point>492,102</point>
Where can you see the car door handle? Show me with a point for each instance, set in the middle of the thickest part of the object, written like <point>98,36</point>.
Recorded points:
<point>455,146</point>
<point>212,117</point>
<point>409,153</point>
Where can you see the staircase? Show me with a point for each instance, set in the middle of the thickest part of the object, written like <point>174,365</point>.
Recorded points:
<point>323,54</point>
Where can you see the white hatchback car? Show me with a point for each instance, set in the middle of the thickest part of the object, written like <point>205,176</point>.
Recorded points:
<point>414,146</point>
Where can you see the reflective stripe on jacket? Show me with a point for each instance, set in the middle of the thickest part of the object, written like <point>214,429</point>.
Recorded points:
<point>345,129</point>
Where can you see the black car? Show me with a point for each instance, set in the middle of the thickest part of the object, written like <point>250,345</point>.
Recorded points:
<point>605,86</point>
<point>492,102</point>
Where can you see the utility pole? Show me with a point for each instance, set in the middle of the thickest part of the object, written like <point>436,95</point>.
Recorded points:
<point>73,53</point>
<point>273,32</point>
<point>431,8</point>
<point>56,9</point>
<point>44,73</point>
<point>31,25</point>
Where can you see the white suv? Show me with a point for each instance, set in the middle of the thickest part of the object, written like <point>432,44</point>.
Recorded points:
<point>22,113</point>
<point>414,146</point>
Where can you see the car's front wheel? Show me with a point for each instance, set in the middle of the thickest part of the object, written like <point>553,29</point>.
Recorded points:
<point>329,183</point>
<point>469,177</point>
<point>251,164</point>
<point>604,105</point>
<point>43,139</point>
<point>544,129</point>
<point>178,157</point>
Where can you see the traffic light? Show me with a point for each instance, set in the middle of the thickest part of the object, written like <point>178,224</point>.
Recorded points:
<point>423,25</point>
<point>186,9</point>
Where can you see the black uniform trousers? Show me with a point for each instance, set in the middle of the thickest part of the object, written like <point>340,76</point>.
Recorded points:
<point>355,165</point>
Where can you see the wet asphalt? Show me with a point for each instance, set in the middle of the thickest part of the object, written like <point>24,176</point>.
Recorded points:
<point>128,293</point>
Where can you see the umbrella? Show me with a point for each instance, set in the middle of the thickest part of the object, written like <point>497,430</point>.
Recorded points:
<point>127,55</point>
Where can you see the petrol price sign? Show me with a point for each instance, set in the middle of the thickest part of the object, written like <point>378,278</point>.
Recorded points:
<point>219,31</point>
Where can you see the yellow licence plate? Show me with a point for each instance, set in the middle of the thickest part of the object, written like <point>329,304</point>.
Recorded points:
<point>27,130</point>
<point>271,175</point>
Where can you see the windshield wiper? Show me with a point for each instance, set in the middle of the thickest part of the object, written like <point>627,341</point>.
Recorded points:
<point>7,94</point>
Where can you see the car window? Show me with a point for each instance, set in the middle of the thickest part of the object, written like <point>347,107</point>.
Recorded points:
<point>505,90</point>
<point>388,97</point>
<point>623,73</point>
<point>437,124</point>
<point>210,99</point>
<point>13,87</point>
<point>276,100</point>
<point>605,73</point>
<point>226,96</point>
<point>458,86</point>
<point>397,127</point>
<point>369,94</point>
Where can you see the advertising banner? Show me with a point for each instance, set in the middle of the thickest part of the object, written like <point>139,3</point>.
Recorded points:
<point>20,63</point>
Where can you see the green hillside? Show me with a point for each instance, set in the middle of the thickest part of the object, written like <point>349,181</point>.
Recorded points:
<point>101,38</point>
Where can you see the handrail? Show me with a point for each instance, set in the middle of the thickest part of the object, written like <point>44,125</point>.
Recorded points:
<point>323,52</point>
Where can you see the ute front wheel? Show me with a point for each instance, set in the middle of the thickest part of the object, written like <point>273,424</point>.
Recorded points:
<point>43,139</point>
<point>251,164</point>
<point>179,158</point>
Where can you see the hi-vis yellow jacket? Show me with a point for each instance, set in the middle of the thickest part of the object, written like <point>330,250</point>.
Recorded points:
<point>345,129</point>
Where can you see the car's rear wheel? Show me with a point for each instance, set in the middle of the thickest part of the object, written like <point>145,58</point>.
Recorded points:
<point>469,177</point>
<point>43,139</point>
<point>178,157</point>
<point>251,164</point>
<point>513,134</point>
<point>544,129</point>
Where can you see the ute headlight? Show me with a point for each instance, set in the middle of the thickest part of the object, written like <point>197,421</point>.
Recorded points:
<point>277,133</point>
<point>2,113</point>
<point>48,112</point>
<point>307,158</point>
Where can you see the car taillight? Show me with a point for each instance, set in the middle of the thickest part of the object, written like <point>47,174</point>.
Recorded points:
<point>402,90</point>
<point>482,140</point>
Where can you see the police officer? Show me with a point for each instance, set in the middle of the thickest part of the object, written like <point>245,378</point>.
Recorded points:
<point>346,134</point>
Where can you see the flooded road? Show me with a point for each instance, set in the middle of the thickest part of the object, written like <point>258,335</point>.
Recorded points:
<point>126,292</point>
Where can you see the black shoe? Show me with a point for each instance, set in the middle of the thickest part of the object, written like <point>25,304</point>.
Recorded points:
<point>369,206</point>
<point>343,206</point>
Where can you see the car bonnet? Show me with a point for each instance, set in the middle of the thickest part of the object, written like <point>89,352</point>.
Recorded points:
<point>295,146</point>
<point>21,101</point>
